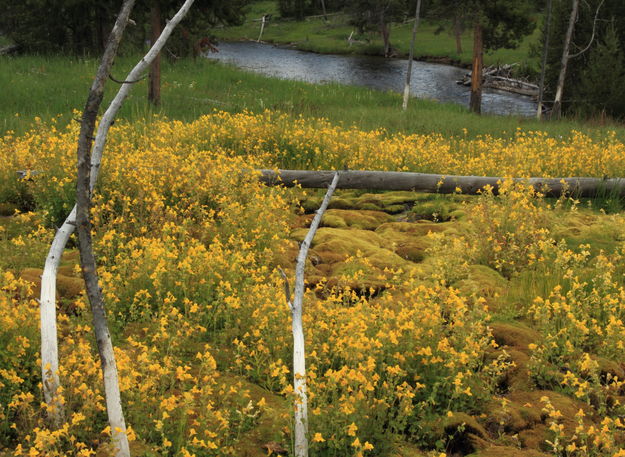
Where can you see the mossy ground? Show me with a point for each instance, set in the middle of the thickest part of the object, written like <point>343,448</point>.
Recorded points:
<point>369,234</point>
<point>357,247</point>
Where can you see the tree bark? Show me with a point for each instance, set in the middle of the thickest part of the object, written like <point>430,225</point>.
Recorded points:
<point>85,183</point>
<point>556,111</point>
<point>386,36</point>
<point>442,184</point>
<point>543,65</point>
<point>458,33</point>
<point>411,55</point>
<point>476,73</point>
<point>49,344</point>
<point>299,359</point>
<point>48,301</point>
<point>154,78</point>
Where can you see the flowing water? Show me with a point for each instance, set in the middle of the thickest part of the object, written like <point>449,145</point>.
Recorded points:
<point>429,80</point>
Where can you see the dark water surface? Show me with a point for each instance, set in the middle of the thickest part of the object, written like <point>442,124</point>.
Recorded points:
<point>429,80</point>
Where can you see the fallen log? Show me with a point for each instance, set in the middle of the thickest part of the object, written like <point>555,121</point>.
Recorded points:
<point>442,184</point>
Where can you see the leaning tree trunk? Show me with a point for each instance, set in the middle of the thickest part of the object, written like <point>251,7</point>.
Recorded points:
<point>556,112</point>
<point>48,287</point>
<point>411,55</point>
<point>49,343</point>
<point>299,355</point>
<point>543,65</point>
<point>476,73</point>
<point>154,79</point>
<point>86,169</point>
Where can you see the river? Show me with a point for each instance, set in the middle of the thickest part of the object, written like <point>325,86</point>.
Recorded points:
<point>429,80</point>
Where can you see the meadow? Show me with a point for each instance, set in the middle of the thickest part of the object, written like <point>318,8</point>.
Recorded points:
<point>436,325</point>
<point>47,87</point>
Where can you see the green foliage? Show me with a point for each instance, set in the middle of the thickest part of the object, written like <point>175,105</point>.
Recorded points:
<point>601,88</point>
<point>82,26</point>
<point>584,85</point>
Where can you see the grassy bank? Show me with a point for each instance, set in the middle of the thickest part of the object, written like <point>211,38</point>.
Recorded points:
<point>317,35</point>
<point>55,86</point>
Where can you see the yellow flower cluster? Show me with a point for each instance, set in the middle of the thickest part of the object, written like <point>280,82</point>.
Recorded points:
<point>186,242</point>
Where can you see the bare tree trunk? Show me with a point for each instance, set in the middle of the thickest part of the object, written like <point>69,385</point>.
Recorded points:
<point>476,73</point>
<point>458,33</point>
<point>299,355</point>
<point>556,111</point>
<point>386,36</point>
<point>411,55</point>
<point>442,184</point>
<point>154,79</point>
<point>49,333</point>
<point>543,65</point>
<point>262,27</point>
<point>323,10</point>
<point>49,344</point>
<point>87,167</point>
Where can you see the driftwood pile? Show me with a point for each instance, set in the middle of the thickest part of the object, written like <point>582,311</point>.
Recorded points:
<point>500,77</point>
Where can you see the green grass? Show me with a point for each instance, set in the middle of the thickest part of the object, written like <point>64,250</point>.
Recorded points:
<point>51,86</point>
<point>331,37</point>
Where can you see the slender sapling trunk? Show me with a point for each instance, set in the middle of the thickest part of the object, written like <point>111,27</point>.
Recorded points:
<point>557,103</point>
<point>411,56</point>
<point>296,307</point>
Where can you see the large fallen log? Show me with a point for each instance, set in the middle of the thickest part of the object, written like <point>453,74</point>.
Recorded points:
<point>442,184</point>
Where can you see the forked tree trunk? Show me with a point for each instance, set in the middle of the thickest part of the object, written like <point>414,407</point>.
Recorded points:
<point>86,168</point>
<point>476,73</point>
<point>49,343</point>
<point>557,103</point>
<point>48,301</point>
<point>543,65</point>
<point>154,79</point>
<point>411,56</point>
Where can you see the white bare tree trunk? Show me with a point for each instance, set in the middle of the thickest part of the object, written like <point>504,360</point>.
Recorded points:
<point>299,359</point>
<point>411,56</point>
<point>49,344</point>
<point>557,102</point>
<point>262,27</point>
<point>49,349</point>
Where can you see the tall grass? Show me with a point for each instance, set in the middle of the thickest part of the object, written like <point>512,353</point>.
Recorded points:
<point>56,86</point>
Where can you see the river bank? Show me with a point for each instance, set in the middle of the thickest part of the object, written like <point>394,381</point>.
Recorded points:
<point>434,44</point>
<point>429,81</point>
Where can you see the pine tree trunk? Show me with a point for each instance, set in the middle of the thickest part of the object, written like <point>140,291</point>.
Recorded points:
<point>458,34</point>
<point>556,112</point>
<point>476,73</point>
<point>386,35</point>
<point>323,10</point>
<point>154,80</point>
